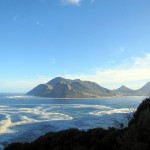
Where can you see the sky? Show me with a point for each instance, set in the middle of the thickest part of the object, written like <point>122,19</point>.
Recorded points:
<point>105,41</point>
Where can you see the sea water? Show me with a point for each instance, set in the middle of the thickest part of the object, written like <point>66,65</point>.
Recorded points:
<point>25,118</point>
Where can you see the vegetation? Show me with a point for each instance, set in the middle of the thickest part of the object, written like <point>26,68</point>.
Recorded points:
<point>135,137</point>
<point>65,88</point>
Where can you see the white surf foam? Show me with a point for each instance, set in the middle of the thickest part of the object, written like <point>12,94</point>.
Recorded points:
<point>18,97</point>
<point>91,106</point>
<point>56,116</point>
<point>4,124</point>
<point>24,120</point>
<point>45,115</point>
<point>76,106</point>
<point>110,112</point>
<point>13,116</point>
<point>3,106</point>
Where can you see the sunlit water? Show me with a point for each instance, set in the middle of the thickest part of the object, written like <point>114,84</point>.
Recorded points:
<point>24,118</point>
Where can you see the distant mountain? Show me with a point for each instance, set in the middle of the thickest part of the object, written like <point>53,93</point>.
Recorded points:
<point>65,88</point>
<point>145,90</point>
<point>125,91</point>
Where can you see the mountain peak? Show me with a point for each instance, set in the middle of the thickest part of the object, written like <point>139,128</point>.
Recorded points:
<point>58,79</point>
<point>123,87</point>
<point>125,90</point>
<point>147,84</point>
<point>145,89</point>
<point>77,80</point>
<point>65,88</point>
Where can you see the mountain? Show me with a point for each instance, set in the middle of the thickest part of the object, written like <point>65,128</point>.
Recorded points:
<point>58,79</point>
<point>64,88</point>
<point>125,91</point>
<point>145,90</point>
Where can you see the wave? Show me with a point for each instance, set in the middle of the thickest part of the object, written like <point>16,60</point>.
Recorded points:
<point>76,106</point>
<point>110,112</point>
<point>3,106</point>
<point>13,116</point>
<point>42,114</point>
<point>18,97</point>
<point>4,124</point>
<point>16,116</point>
<point>91,106</point>
<point>24,120</point>
<point>20,116</point>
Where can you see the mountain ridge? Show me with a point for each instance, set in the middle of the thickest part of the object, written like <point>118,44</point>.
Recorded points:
<point>66,88</point>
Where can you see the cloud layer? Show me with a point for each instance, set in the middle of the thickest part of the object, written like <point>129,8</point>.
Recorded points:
<point>133,73</point>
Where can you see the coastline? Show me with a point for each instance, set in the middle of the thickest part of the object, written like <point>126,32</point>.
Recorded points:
<point>103,97</point>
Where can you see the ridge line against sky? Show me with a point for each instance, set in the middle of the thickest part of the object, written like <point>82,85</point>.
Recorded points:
<point>103,41</point>
<point>133,75</point>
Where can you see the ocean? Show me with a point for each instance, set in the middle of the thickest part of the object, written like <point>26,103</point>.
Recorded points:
<point>25,118</point>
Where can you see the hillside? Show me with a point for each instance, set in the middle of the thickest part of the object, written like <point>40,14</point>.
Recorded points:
<point>125,91</point>
<point>145,90</point>
<point>65,88</point>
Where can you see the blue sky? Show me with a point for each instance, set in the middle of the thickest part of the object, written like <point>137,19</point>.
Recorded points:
<point>106,41</point>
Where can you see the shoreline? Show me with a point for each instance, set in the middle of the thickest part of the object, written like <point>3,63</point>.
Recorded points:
<point>103,97</point>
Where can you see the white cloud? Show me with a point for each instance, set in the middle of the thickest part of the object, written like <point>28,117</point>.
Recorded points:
<point>74,2</point>
<point>133,74</point>
<point>142,62</point>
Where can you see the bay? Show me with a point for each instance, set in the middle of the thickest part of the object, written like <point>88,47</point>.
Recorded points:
<point>25,118</point>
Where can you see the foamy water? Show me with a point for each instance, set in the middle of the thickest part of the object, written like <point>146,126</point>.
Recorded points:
<point>24,118</point>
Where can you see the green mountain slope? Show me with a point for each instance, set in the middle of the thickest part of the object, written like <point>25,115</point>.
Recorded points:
<point>65,88</point>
